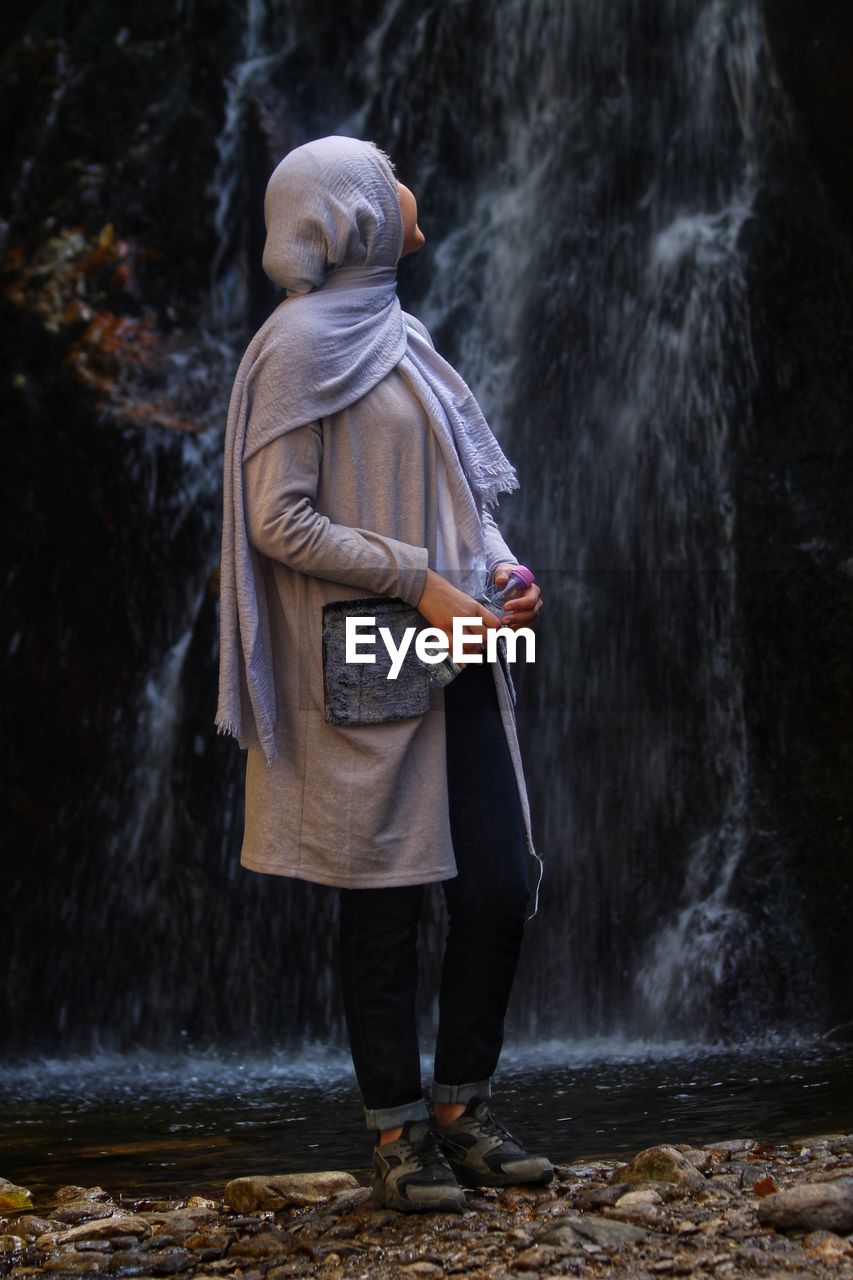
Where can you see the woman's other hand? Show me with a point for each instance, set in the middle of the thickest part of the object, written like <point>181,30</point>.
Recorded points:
<point>441,602</point>
<point>523,610</point>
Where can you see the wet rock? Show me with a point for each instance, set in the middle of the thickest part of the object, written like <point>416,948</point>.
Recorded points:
<point>539,1259</point>
<point>161,1240</point>
<point>641,1215</point>
<point>240,1222</point>
<point>348,1201</point>
<point>74,1263</point>
<point>827,1245</point>
<point>729,1147</point>
<point>724,1182</point>
<point>585,1172</point>
<point>701,1159</point>
<point>600,1197</point>
<point>515,1197</point>
<point>11,1244</point>
<point>752,1173</point>
<point>14,1197</point>
<point>640,1198</point>
<point>826,1206</point>
<point>181,1222</point>
<point>830,1172</point>
<point>78,1211</point>
<point>72,1192</point>
<point>98,1229</point>
<point>209,1238</point>
<point>284,1191</point>
<point>31,1225</point>
<point>266,1244</point>
<point>661,1164</point>
<point>169,1262</point>
<point>587,1228</point>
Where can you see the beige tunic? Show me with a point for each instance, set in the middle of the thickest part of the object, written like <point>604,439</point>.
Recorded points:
<point>345,508</point>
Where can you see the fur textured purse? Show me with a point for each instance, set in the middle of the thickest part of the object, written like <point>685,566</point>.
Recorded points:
<point>363,693</point>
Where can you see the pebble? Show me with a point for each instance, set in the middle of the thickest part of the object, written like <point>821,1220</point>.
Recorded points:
<point>643,1197</point>
<point>580,1228</point>
<point>826,1244</point>
<point>266,1244</point>
<point>681,1211</point>
<point>97,1229</point>
<point>814,1206</point>
<point>597,1197</point>
<point>30,1225</point>
<point>13,1197</point>
<point>82,1210</point>
<point>514,1197</point>
<point>731,1146</point>
<point>662,1164</point>
<point>285,1191</point>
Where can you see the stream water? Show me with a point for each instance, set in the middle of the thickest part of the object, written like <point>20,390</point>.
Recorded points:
<point>145,1124</point>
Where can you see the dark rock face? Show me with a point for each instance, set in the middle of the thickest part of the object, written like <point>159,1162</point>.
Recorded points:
<point>130,278</point>
<point>813,48</point>
<point>795,481</point>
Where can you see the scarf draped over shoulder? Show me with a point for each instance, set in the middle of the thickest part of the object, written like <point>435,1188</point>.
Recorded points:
<point>334,238</point>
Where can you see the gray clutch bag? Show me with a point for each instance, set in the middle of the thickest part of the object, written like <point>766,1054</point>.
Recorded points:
<point>361,693</point>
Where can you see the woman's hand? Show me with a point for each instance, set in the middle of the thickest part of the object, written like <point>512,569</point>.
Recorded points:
<point>523,610</point>
<point>441,602</point>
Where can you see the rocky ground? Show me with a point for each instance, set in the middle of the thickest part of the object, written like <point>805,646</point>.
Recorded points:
<point>737,1208</point>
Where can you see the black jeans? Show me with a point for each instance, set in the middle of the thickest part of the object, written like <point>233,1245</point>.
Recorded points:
<point>487,905</point>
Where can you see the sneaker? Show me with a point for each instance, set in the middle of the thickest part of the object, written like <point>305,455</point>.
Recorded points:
<point>482,1152</point>
<point>412,1174</point>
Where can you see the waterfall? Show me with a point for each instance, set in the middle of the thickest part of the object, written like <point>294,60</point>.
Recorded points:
<point>589,279</point>
<point>587,177</point>
<point>247,86</point>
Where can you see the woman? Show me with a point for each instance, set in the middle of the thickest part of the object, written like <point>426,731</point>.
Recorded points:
<point>358,472</point>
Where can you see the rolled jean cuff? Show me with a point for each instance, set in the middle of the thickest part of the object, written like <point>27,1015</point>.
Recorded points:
<point>380,1118</point>
<point>460,1092</point>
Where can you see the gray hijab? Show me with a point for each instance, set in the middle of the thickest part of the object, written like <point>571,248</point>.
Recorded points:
<point>334,238</point>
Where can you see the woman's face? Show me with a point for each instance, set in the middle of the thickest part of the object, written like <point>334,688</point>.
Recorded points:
<point>413,237</point>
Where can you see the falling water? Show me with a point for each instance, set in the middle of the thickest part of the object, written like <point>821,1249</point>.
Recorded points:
<point>590,280</point>
<point>585,175</point>
<point>586,275</point>
<point>247,86</point>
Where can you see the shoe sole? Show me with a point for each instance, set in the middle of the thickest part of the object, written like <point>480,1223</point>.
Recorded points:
<point>473,1177</point>
<point>438,1200</point>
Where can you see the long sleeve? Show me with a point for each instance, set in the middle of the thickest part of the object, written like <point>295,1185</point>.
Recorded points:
<point>280,490</point>
<point>497,552</point>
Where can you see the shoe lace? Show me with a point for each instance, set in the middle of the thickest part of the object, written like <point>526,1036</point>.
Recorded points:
<point>427,1149</point>
<point>490,1122</point>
